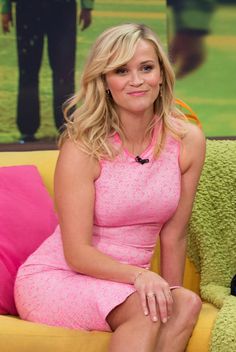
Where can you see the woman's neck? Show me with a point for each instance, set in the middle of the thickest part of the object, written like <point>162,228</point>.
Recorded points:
<point>135,126</point>
<point>136,139</point>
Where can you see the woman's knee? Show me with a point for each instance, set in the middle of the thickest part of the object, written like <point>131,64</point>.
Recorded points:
<point>189,306</point>
<point>194,305</point>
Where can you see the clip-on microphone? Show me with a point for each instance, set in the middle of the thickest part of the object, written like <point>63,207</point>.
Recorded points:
<point>140,160</point>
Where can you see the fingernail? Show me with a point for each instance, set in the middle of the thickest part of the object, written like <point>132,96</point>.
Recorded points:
<point>155,318</point>
<point>164,320</point>
<point>146,312</point>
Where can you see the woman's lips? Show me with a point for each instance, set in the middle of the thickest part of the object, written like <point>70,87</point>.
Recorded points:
<point>137,93</point>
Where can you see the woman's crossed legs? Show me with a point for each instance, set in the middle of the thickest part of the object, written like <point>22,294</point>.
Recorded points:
<point>135,332</point>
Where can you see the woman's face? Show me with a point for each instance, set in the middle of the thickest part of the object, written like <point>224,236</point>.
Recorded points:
<point>135,86</point>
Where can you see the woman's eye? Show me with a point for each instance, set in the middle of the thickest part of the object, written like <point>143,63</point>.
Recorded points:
<point>147,68</point>
<point>121,70</point>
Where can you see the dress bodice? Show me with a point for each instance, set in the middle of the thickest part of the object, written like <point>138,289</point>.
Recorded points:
<point>134,200</point>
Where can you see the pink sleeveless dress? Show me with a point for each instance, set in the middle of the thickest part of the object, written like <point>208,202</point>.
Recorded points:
<point>132,203</point>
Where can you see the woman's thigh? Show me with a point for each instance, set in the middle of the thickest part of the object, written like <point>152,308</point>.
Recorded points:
<point>130,309</point>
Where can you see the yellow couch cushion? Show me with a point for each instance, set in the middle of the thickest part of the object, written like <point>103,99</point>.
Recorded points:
<point>20,336</point>
<point>17,335</point>
<point>200,340</point>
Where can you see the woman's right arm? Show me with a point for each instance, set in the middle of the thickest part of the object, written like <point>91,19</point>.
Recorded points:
<point>74,196</point>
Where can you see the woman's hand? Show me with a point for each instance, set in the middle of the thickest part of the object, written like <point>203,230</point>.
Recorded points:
<point>155,294</point>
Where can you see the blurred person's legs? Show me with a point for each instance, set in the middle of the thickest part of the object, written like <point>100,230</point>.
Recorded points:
<point>30,35</point>
<point>34,20</point>
<point>61,33</point>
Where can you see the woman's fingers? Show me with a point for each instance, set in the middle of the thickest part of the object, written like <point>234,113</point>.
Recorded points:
<point>159,305</point>
<point>162,306</point>
<point>152,305</point>
<point>144,303</point>
<point>155,295</point>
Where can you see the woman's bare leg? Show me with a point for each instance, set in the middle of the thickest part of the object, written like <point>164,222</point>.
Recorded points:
<point>174,335</point>
<point>132,330</point>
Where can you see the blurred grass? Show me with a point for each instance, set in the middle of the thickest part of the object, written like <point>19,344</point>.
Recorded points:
<point>210,90</point>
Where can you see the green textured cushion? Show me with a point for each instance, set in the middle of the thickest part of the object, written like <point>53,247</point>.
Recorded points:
<point>212,236</point>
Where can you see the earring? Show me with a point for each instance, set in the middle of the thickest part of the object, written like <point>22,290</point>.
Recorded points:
<point>108,93</point>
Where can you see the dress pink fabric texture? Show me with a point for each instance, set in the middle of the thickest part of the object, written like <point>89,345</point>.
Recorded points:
<point>132,203</point>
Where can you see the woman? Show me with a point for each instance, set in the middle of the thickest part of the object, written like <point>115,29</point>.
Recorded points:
<point>127,172</point>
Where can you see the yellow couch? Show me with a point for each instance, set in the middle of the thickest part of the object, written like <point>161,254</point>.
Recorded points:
<point>21,336</point>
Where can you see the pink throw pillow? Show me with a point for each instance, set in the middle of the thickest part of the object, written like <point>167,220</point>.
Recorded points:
<point>27,218</point>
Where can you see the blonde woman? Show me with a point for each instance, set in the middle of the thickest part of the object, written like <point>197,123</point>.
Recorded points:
<point>127,174</point>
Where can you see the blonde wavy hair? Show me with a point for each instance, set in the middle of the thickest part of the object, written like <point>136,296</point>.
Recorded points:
<point>90,115</point>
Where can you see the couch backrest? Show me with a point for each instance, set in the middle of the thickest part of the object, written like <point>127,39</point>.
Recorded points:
<point>44,160</point>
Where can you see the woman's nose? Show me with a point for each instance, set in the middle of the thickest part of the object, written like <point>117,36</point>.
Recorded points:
<point>136,79</point>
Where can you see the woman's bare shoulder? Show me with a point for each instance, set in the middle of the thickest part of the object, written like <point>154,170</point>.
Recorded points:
<point>193,146</point>
<point>74,159</point>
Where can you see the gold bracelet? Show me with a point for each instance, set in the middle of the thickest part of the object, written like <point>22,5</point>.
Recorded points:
<point>137,275</point>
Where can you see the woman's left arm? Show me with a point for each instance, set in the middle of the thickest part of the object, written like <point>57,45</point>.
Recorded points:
<point>173,241</point>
